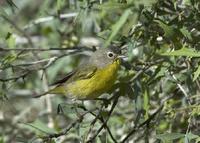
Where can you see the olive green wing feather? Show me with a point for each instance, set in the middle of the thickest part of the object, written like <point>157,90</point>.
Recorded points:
<point>79,74</point>
<point>83,73</point>
<point>63,80</point>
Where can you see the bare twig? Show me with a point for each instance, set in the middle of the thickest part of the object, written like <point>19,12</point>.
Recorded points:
<point>105,122</point>
<point>46,49</point>
<point>18,29</point>
<point>181,88</point>
<point>139,73</point>
<point>49,18</point>
<point>47,99</point>
<point>56,135</point>
<point>187,98</point>
<point>146,122</point>
<point>99,117</point>
<point>51,61</point>
<point>15,77</point>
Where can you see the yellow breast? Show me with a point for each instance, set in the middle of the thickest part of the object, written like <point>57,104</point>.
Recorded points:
<point>99,83</point>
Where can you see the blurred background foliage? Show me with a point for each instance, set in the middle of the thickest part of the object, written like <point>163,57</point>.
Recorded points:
<point>157,94</point>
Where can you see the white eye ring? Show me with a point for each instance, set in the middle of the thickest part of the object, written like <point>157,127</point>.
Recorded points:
<point>110,54</point>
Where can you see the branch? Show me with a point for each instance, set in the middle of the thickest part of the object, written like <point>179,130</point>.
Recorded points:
<point>18,29</point>
<point>15,77</point>
<point>105,122</point>
<point>146,122</point>
<point>50,62</point>
<point>100,117</point>
<point>49,18</point>
<point>181,88</point>
<point>47,49</point>
<point>56,135</point>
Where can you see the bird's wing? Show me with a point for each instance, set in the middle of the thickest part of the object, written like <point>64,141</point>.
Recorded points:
<point>67,76</point>
<point>80,73</point>
<point>84,73</point>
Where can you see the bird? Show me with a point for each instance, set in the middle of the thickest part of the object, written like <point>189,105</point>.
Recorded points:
<point>93,78</point>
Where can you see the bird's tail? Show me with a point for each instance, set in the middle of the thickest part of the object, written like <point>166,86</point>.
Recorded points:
<point>40,95</point>
<point>56,90</point>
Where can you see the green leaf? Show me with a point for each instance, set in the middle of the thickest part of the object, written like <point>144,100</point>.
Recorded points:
<point>59,4</point>
<point>170,136</point>
<point>197,140</point>
<point>186,33</point>
<point>183,52</point>
<point>10,39</point>
<point>117,26</point>
<point>146,104</point>
<point>8,59</point>
<point>139,103</point>
<point>11,4</point>
<point>39,127</point>
<point>191,136</point>
<point>169,30</point>
<point>112,6</point>
<point>1,140</point>
<point>196,73</point>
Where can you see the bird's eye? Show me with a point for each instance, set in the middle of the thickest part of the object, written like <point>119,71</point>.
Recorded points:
<point>110,54</point>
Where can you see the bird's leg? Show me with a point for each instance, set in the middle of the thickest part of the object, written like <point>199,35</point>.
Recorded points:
<point>105,101</point>
<point>72,104</point>
<point>60,108</point>
<point>78,104</point>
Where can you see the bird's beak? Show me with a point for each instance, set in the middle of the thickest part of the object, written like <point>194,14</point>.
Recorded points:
<point>123,57</point>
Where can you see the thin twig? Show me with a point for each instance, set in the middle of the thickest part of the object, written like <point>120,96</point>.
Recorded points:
<point>46,49</point>
<point>48,98</point>
<point>139,73</point>
<point>43,131</point>
<point>181,88</point>
<point>100,118</point>
<point>56,135</point>
<point>94,121</point>
<point>18,29</point>
<point>15,77</point>
<point>36,62</point>
<point>104,124</point>
<point>146,122</point>
<point>187,98</point>
<point>37,69</point>
<point>49,18</point>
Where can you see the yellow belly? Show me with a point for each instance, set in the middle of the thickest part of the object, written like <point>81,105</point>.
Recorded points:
<point>99,83</point>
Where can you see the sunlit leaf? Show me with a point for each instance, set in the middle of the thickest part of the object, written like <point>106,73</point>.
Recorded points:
<point>169,136</point>
<point>112,6</point>
<point>117,26</point>
<point>8,59</point>
<point>191,136</point>
<point>1,140</point>
<point>59,4</point>
<point>196,73</point>
<point>10,39</point>
<point>186,33</point>
<point>169,30</point>
<point>39,127</point>
<point>146,104</point>
<point>183,52</point>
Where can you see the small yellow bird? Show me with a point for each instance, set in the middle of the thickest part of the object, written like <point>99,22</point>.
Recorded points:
<point>93,78</point>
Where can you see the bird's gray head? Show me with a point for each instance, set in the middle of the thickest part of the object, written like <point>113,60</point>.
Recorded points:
<point>105,56</point>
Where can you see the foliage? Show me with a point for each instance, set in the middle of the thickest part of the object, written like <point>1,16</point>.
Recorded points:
<point>155,98</point>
